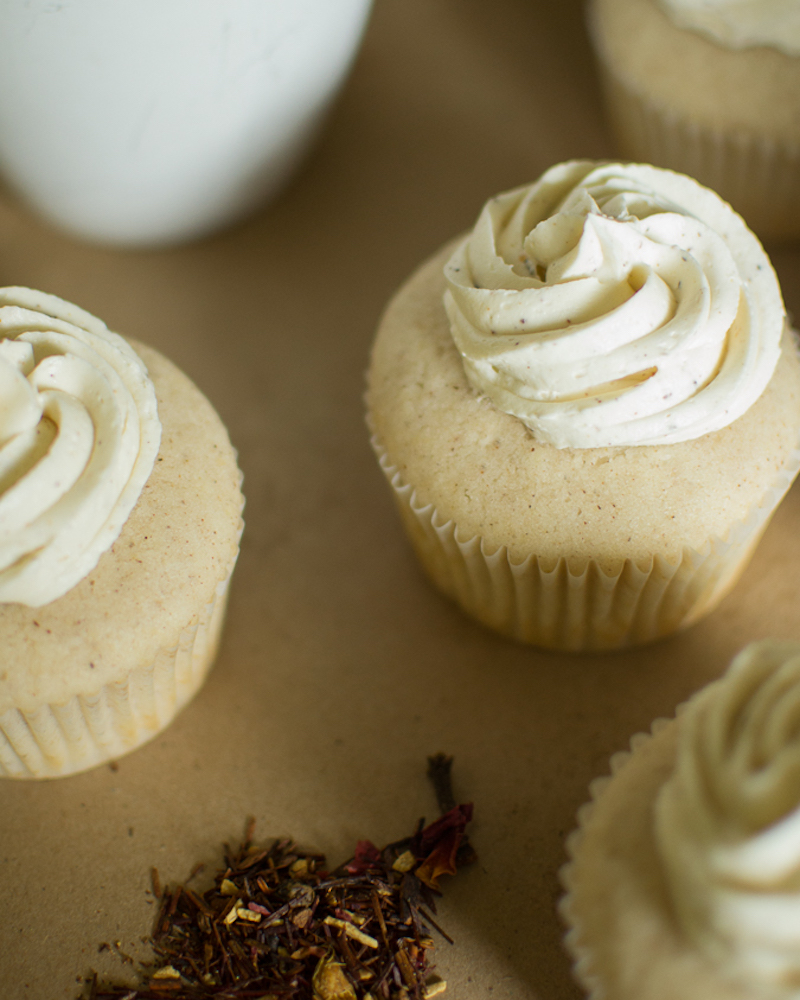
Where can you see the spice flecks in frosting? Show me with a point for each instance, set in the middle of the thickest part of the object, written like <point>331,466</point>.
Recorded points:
<point>741,24</point>
<point>612,304</point>
<point>79,434</point>
<point>728,820</point>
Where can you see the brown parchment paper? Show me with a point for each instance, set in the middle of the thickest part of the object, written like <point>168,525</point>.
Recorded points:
<point>341,669</point>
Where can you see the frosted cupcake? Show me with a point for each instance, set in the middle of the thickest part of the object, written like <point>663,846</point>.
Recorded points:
<point>589,408</point>
<point>683,883</point>
<point>119,527</point>
<point>711,88</point>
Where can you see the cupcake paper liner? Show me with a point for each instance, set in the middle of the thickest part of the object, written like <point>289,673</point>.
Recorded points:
<point>574,605</point>
<point>89,729</point>
<point>759,176</point>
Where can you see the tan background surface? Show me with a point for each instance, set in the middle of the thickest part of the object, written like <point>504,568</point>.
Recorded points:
<point>341,669</point>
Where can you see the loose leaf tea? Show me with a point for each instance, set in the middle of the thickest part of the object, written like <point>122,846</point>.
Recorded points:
<point>276,925</point>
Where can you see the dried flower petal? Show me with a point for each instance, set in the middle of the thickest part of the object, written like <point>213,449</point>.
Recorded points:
<point>404,862</point>
<point>439,844</point>
<point>166,972</point>
<point>457,818</point>
<point>329,981</point>
<point>366,856</point>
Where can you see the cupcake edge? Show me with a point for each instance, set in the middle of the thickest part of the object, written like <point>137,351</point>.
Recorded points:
<point>583,968</point>
<point>758,175</point>
<point>588,610</point>
<point>56,740</point>
<point>600,970</point>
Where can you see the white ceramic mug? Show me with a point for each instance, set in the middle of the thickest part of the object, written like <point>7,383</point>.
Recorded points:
<point>152,121</point>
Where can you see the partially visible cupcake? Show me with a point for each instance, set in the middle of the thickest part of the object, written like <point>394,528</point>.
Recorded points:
<point>589,409</point>
<point>710,88</point>
<point>120,518</point>
<point>684,882</point>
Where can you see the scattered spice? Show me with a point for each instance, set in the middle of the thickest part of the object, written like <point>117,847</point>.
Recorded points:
<point>276,925</point>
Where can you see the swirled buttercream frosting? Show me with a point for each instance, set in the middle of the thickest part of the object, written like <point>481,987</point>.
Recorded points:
<point>615,305</point>
<point>79,434</point>
<point>728,820</point>
<point>741,24</point>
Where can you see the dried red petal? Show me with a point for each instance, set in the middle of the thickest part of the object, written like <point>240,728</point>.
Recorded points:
<point>366,856</point>
<point>457,818</point>
<point>439,843</point>
<point>441,860</point>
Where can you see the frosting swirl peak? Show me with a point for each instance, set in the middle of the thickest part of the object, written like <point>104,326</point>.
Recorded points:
<point>79,434</point>
<point>612,304</point>
<point>728,820</point>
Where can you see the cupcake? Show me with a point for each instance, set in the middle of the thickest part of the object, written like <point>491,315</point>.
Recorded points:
<point>683,883</point>
<point>120,517</point>
<point>710,88</point>
<point>589,408</point>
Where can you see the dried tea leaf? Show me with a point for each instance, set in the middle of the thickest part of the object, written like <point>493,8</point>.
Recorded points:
<point>302,918</point>
<point>277,926</point>
<point>329,981</point>
<point>352,931</point>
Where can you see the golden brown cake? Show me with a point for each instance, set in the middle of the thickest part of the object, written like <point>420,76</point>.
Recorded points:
<point>94,666</point>
<point>532,493</point>
<point>682,883</point>
<point>712,90</point>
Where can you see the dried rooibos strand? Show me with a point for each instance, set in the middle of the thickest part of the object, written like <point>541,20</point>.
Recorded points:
<point>276,924</point>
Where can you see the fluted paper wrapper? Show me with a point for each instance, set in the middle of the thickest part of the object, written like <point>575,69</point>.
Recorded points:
<point>575,605</point>
<point>89,729</point>
<point>759,176</point>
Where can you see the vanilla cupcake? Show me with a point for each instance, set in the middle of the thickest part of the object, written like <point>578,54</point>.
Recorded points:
<point>120,517</point>
<point>590,407</point>
<point>683,883</point>
<point>710,88</point>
